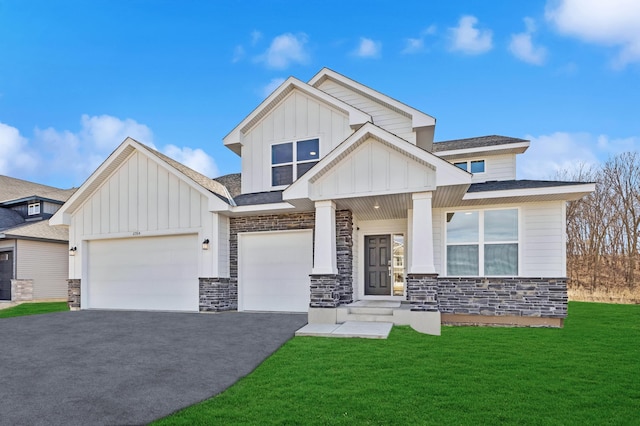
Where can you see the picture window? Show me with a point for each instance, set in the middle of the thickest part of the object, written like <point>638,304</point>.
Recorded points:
<point>291,160</point>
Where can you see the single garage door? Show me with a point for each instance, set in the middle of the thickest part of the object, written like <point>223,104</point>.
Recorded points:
<point>273,270</point>
<point>145,273</point>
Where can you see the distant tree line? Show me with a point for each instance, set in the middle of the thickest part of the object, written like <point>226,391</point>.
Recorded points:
<point>603,228</point>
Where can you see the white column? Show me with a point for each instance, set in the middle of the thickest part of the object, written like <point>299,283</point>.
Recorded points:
<point>422,235</point>
<point>324,253</point>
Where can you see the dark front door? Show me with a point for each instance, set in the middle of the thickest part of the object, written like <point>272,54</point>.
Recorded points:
<point>377,264</point>
<point>6,274</point>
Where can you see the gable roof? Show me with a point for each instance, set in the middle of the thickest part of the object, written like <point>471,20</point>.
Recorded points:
<point>233,140</point>
<point>9,218</point>
<point>418,118</point>
<point>208,187</point>
<point>494,143</point>
<point>15,189</point>
<point>40,230</point>
<point>232,182</point>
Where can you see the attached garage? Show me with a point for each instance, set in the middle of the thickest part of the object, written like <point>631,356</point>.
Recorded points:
<point>144,273</point>
<point>273,270</point>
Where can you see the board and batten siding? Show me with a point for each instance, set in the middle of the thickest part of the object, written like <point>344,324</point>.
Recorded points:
<point>297,117</point>
<point>143,197</point>
<point>46,264</point>
<point>384,117</point>
<point>541,237</point>
<point>373,168</point>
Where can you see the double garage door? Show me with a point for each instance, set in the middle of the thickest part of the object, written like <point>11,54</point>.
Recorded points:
<point>145,273</point>
<point>273,271</point>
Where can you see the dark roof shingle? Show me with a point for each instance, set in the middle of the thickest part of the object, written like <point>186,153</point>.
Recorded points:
<point>505,185</point>
<point>478,142</point>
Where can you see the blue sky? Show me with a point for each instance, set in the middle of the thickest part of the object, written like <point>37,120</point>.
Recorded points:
<point>77,77</point>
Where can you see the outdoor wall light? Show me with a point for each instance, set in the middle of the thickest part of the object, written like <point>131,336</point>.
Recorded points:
<point>205,244</point>
<point>72,251</point>
<point>376,206</point>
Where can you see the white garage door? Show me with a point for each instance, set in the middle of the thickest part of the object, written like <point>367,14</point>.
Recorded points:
<point>273,270</point>
<point>149,273</point>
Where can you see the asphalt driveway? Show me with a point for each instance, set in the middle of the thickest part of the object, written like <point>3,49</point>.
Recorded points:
<point>101,367</point>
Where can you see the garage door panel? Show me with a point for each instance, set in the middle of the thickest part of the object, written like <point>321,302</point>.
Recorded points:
<point>274,270</point>
<point>154,273</point>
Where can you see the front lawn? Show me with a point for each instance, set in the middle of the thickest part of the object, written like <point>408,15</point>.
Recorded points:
<point>33,309</point>
<point>586,373</point>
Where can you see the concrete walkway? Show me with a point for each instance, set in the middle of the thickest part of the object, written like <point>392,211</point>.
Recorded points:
<point>115,367</point>
<point>362,329</point>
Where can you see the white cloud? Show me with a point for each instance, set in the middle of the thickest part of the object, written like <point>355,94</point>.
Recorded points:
<point>67,158</point>
<point>415,45</point>
<point>560,151</point>
<point>522,46</point>
<point>468,39</point>
<point>608,23</point>
<point>368,48</point>
<point>285,50</point>
<point>238,54</point>
<point>15,154</point>
<point>196,159</point>
<point>271,86</point>
<point>256,36</point>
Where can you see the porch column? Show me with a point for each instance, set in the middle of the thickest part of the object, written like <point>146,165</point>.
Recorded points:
<point>324,253</point>
<point>422,235</point>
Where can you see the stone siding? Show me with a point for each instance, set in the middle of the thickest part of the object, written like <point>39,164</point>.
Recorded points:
<point>527,297</point>
<point>21,290</point>
<point>344,253</point>
<point>215,295</point>
<point>422,292</point>
<point>325,291</point>
<point>74,294</point>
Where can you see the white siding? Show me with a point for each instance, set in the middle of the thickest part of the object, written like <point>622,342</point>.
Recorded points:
<point>543,243</point>
<point>497,167</point>
<point>140,196</point>
<point>541,238</point>
<point>50,208</point>
<point>297,117</point>
<point>373,168</point>
<point>383,116</point>
<point>47,265</point>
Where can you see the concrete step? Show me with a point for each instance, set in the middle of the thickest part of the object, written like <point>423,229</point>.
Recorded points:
<point>365,330</point>
<point>368,317</point>
<point>369,310</point>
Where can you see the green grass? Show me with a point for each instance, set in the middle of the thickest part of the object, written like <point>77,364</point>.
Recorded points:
<point>33,309</point>
<point>586,373</point>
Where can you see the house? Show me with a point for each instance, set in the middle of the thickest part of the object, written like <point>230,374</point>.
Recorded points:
<point>343,196</point>
<point>33,254</point>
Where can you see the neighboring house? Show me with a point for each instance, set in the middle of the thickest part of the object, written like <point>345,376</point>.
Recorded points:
<point>33,254</point>
<point>343,196</point>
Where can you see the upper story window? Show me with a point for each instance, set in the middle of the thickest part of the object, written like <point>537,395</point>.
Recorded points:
<point>473,166</point>
<point>291,160</point>
<point>482,243</point>
<point>34,208</point>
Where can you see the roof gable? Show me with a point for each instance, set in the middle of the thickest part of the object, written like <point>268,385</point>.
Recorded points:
<point>234,139</point>
<point>371,162</point>
<point>215,192</point>
<point>418,118</point>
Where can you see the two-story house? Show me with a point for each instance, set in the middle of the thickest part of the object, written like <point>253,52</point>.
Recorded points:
<point>343,196</point>
<point>33,254</point>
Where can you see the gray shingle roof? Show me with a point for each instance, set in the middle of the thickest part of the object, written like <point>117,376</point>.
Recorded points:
<point>231,182</point>
<point>504,185</point>
<point>14,189</point>
<point>259,198</point>
<point>9,218</point>
<point>478,142</point>
<point>40,230</point>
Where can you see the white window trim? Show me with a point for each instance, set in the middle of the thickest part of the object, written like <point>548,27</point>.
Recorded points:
<point>468,169</point>
<point>33,209</point>
<point>481,243</point>
<point>294,163</point>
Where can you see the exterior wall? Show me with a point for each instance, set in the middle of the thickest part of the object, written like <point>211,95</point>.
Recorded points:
<point>497,167</point>
<point>73,294</point>
<point>297,117</point>
<point>21,290</point>
<point>50,208</point>
<point>46,264</point>
<point>383,116</point>
<point>373,168</point>
<point>344,253</point>
<point>542,241</point>
<point>526,297</point>
<point>215,294</point>
<point>145,198</point>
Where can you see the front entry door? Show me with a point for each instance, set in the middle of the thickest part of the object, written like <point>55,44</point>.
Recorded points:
<point>6,274</point>
<point>377,264</point>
